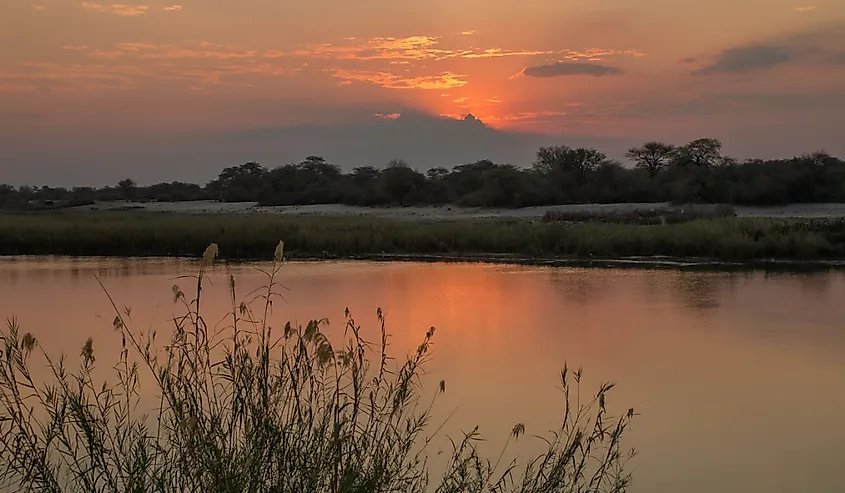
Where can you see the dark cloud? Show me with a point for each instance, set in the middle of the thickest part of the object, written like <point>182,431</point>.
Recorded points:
<point>562,69</point>
<point>748,59</point>
<point>819,46</point>
<point>691,59</point>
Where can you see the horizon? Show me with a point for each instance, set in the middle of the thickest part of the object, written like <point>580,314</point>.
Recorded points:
<point>163,91</point>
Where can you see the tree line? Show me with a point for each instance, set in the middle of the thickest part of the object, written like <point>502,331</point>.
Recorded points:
<point>697,172</point>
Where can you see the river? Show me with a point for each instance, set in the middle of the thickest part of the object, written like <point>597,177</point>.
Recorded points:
<point>739,378</point>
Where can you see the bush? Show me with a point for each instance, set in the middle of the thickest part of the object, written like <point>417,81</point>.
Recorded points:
<point>259,410</point>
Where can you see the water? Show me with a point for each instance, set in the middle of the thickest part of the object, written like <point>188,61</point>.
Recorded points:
<point>739,378</point>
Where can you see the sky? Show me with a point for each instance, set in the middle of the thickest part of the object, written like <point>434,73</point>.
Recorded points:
<point>161,90</point>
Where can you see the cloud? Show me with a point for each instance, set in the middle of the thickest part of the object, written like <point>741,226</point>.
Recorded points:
<point>445,80</point>
<point>561,69</point>
<point>48,78</point>
<point>815,47</point>
<point>525,118</point>
<point>748,59</point>
<point>430,48</point>
<point>127,10</point>
<point>198,50</point>
<point>838,58</point>
<point>808,8</point>
<point>117,9</point>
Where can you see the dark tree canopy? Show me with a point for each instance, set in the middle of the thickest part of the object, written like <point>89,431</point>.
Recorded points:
<point>696,172</point>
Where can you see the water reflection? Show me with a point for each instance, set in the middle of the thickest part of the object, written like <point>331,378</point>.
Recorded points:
<point>738,376</point>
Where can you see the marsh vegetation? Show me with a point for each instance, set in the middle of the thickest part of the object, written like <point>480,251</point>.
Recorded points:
<point>243,406</point>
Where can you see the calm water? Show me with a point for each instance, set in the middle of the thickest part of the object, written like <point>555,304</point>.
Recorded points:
<point>740,378</point>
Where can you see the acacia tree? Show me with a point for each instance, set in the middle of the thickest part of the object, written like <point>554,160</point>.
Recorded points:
<point>704,153</point>
<point>652,156</point>
<point>581,161</point>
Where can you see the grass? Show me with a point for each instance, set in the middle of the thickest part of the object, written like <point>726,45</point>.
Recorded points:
<point>641,216</point>
<point>244,407</point>
<point>248,236</point>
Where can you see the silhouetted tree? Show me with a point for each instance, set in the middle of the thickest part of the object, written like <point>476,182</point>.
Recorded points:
<point>698,172</point>
<point>580,161</point>
<point>127,187</point>
<point>238,183</point>
<point>400,181</point>
<point>652,156</point>
<point>700,152</point>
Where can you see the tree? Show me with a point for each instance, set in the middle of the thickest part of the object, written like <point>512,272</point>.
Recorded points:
<point>581,161</point>
<point>365,175</point>
<point>704,153</point>
<point>652,156</point>
<point>400,180</point>
<point>238,183</point>
<point>437,173</point>
<point>317,166</point>
<point>127,187</point>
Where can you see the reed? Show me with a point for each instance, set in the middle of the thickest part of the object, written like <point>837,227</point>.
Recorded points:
<point>244,407</point>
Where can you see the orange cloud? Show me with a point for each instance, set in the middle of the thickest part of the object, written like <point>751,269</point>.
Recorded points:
<point>809,8</point>
<point>117,9</point>
<point>174,52</point>
<point>597,54</point>
<point>388,116</point>
<point>47,77</point>
<point>127,10</point>
<point>498,52</point>
<point>527,116</point>
<point>429,48</point>
<point>444,80</point>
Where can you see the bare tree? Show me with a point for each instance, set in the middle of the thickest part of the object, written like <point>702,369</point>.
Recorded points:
<point>652,156</point>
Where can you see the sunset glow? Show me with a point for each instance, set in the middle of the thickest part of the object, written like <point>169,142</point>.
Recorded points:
<point>747,71</point>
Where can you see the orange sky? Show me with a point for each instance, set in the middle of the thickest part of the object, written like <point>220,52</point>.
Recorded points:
<point>651,69</point>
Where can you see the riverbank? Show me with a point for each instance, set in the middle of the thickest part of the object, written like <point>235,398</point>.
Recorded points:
<point>743,241</point>
<point>453,212</point>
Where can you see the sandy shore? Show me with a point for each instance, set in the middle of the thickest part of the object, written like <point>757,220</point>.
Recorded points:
<point>449,212</point>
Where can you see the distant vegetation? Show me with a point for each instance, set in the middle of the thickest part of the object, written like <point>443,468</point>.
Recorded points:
<point>565,235</point>
<point>697,172</point>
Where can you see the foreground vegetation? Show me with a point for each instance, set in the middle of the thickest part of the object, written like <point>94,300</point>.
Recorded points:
<point>696,172</point>
<point>247,236</point>
<point>250,408</point>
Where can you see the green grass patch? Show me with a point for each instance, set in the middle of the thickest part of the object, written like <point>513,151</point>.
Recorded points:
<point>249,236</point>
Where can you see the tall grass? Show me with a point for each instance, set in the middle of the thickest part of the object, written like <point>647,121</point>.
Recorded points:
<point>248,236</point>
<point>243,406</point>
